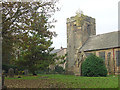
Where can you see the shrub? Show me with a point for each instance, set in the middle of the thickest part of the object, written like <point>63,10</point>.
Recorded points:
<point>94,66</point>
<point>59,69</point>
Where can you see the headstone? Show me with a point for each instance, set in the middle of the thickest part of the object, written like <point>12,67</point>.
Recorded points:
<point>25,72</point>
<point>16,71</point>
<point>11,72</point>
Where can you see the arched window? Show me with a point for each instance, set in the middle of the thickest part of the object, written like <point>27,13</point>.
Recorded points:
<point>102,55</point>
<point>118,58</point>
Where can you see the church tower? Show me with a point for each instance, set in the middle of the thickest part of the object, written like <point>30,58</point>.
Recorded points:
<point>79,28</point>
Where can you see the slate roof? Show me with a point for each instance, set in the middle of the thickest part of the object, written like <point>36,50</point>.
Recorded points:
<point>54,51</point>
<point>102,41</point>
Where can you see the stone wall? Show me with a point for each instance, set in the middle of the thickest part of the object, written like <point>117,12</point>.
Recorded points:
<point>61,52</point>
<point>79,28</point>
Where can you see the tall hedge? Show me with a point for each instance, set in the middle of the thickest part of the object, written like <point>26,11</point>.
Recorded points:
<point>94,66</point>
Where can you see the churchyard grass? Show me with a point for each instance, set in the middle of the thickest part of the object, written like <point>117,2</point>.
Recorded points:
<point>71,81</point>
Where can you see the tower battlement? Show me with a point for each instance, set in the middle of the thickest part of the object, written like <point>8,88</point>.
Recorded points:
<point>71,19</point>
<point>80,16</point>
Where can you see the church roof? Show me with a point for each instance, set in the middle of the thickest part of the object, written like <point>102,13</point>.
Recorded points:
<point>54,51</point>
<point>102,41</point>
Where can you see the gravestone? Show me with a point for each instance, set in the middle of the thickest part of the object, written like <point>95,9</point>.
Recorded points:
<point>16,71</point>
<point>11,72</point>
<point>26,72</point>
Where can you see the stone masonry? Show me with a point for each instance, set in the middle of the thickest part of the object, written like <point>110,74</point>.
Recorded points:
<point>79,28</point>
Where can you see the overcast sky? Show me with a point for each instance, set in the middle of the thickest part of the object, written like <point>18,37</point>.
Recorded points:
<point>104,11</point>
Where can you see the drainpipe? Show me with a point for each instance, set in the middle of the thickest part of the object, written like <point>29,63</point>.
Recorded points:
<point>114,60</point>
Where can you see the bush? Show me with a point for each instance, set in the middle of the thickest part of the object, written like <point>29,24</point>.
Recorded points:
<point>6,67</point>
<point>59,69</point>
<point>94,66</point>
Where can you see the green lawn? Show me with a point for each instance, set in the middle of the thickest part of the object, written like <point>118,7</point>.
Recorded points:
<point>71,81</point>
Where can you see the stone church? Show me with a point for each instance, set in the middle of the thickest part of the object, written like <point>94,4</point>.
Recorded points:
<point>82,41</point>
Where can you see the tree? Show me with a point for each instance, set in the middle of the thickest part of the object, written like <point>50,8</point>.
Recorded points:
<point>25,26</point>
<point>36,56</point>
<point>94,66</point>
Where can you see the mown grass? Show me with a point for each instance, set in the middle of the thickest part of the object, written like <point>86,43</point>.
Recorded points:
<point>71,81</point>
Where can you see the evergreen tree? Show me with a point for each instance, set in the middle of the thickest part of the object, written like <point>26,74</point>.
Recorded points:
<point>37,55</point>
